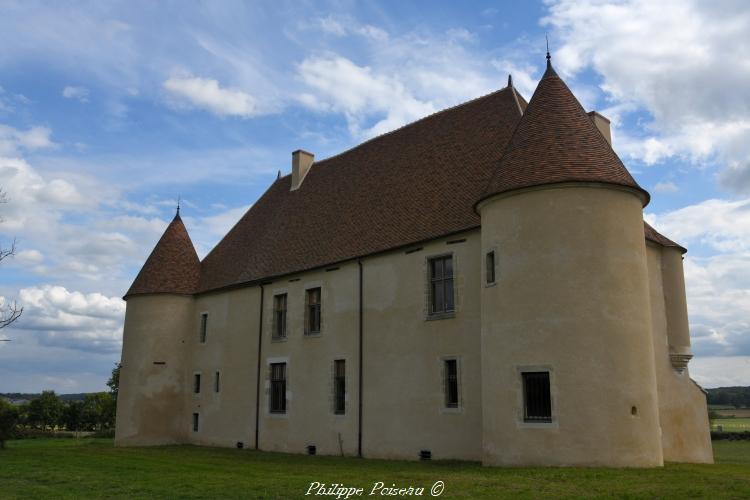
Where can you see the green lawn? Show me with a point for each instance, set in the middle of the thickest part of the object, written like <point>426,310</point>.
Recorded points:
<point>91,468</point>
<point>731,424</point>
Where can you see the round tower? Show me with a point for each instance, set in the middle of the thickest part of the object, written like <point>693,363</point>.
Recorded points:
<point>159,315</point>
<point>568,373</point>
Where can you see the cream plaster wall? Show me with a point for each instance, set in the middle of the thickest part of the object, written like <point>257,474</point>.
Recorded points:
<point>231,347</point>
<point>403,365</point>
<point>682,404</point>
<point>572,297</point>
<point>150,402</point>
<point>310,418</point>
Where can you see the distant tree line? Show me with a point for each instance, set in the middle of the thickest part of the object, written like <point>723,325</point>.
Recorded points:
<point>739,397</point>
<point>48,413</point>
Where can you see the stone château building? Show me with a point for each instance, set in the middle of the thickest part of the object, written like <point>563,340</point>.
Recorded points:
<point>479,284</point>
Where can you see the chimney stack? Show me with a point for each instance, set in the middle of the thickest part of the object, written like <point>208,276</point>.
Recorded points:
<point>301,163</point>
<point>602,124</point>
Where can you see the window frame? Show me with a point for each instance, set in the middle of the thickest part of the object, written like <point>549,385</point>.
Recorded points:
<point>313,310</point>
<point>197,383</point>
<point>447,403</point>
<point>203,328</point>
<point>546,416</point>
<point>339,387</point>
<point>275,382</point>
<point>490,263</point>
<point>282,321</point>
<point>432,280</point>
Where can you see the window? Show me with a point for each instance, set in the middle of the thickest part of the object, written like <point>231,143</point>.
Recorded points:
<point>490,265</point>
<point>441,285</point>
<point>536,397</point>
<point>279,316</point>
<point>451,383</point>
<point>217,381</point>
<point>278,388</point>
<point>197,383</point>
<point>339,387</point>
<point>312,311</point>
<point>204,324</point>
<point>196,422</point>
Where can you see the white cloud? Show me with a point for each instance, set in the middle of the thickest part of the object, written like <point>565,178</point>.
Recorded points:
<point>12,140</point>
<point>207,94</point>
<point>721,371</point>
<point>79,93</point>
<point>666,187</point>
<point>73,320</point>
<point>685,68</point>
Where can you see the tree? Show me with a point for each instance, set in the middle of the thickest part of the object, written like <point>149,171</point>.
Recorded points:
<point>114,381</point>
<point>11,311</point>
<point>45,412</point>
<point>72,416</point>
<point>8,421</point>
<point>99,411</point>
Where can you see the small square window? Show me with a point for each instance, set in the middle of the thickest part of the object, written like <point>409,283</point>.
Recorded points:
<point>537,400</point>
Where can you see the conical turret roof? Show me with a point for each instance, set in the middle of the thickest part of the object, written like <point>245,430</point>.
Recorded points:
<point>556,141</point>
<point>172,267</point>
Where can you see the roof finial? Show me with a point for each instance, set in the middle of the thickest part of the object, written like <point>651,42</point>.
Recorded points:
<point>510,80</point>
<point>178,206</point>
<point>278,175</point>
<point>549,63</point>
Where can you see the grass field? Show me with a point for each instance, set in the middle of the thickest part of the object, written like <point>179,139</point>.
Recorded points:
<point>731,424</point>
<point>91,468</point>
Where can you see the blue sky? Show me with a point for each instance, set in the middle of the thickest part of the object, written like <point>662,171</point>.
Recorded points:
<point>110,110</point>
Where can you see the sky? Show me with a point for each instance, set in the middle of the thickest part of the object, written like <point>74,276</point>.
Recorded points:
<point>111,110</point>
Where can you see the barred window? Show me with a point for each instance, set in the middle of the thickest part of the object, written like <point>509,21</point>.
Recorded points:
<point>312,311</point>
<point>278,388</point>
<point>279,316</point>
<point>490,265</point>
<point>441,285</point>
<point>197,383</point>
<point>339,387</point>
<point>536,397</point>
<point>204,325</point>
<point>450,372</point>
<point>217,381</point>
<point>196,422</point>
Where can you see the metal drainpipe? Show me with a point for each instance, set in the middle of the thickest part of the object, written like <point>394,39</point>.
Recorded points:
<point>361,312</point>
<point>257,374</point>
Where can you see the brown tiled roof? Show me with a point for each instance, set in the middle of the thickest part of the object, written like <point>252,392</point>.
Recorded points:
<point>556,141</point>
<point>653,235</point>
<point>172,267</point>
<point>410,185</point>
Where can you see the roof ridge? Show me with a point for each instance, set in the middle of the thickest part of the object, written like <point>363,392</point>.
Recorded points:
<point>424,118</point>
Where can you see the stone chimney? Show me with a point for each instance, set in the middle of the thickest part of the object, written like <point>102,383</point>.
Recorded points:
<point>301,163</point>
<point>602,124</point>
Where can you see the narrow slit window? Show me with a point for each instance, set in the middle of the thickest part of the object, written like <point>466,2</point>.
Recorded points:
<point>204,326</point>
<point>490,265</point>
<point>451,383</point>
<point>339,387</point>
<point>278,388</point>
<point>441,285</point>
<point>312,311</point>
<point>196,422</point>
<point>217,381</point>
<point>536,397</point>
<point>197,383</point>
<point>279,316</point>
